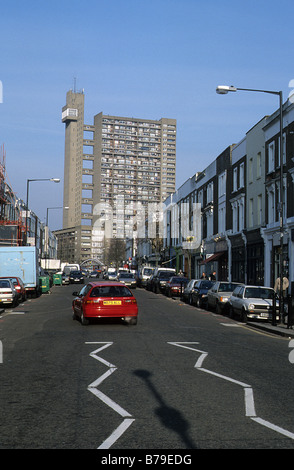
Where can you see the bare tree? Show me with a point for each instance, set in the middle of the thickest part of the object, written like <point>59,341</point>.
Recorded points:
<point>115,251</point>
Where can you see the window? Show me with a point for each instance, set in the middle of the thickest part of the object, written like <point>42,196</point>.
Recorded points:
<point>259,210</point>
<point>251,212</point>
<point>209,194</point>
<point>250,170</point>
<point>241,185</point>
<point>271,157</point>
<point>222,184</point>
<point>258,165</point>
<point>271,204</point>
<point>235,179</point>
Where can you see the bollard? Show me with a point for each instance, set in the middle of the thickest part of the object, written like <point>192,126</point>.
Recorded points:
<point>290,311</point>
<point>274,320</point>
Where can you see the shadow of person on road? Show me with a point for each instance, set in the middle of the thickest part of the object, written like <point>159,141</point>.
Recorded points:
<point>170,417</point>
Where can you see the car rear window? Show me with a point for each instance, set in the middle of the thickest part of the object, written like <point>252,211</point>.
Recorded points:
<point>111,291</point>
<point>4,284</point>
<point>126,276</point>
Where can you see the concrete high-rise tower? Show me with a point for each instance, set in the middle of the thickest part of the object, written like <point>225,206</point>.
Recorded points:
<point>117,157</point>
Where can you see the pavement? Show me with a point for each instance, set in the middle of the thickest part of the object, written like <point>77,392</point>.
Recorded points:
<point>280,329</point>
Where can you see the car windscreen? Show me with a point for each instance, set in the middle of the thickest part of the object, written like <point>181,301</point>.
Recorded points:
<point>206,284</point>
<point>227,287</point>
<point>165,275</point>
<point>110,291</point>
<point>147,271</point>
<point>126,276</point>
<point>258,293</point>
<point>179,280</point>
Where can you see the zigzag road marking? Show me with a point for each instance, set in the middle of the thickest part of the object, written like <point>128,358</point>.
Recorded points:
<point>248,391</point>
<point>108,401</point>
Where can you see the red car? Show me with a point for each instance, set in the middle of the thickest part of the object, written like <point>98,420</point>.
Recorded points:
<point>105,299</point>
<point>19,287</point>
<point>176,286</point>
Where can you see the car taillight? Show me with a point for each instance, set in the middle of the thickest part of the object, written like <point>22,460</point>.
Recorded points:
<point>130,301</point>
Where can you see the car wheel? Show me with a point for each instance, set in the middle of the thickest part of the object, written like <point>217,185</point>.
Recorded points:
<point>244,316</point>
<point>218,309</point>
<point>231,312</point>
<point>190,300</point>
<point>198,303</point>
<point>84,320</point>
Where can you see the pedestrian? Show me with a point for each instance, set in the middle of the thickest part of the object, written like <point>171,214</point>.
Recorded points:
<point>285,285</point>
<point>203,276</point>
<point>213,276</point>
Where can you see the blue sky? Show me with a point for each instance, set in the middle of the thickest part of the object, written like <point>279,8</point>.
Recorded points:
<point>152,59</point>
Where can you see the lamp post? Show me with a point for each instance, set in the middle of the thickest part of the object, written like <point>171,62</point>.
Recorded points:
<point>55,180</point>
<point>223,90</point>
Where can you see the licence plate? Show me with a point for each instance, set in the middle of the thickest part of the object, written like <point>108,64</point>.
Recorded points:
<point>112,302</point>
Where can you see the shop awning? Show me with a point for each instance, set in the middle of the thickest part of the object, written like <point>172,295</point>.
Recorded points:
<point>212,257</point>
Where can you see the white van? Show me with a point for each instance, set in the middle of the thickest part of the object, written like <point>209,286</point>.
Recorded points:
<point>145,274</point>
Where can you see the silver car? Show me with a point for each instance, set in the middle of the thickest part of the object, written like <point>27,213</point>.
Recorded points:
<point>128,279</point>
<point>252,302</point>
<point>219,294</point>
<point>187,294</point>
<point>8,293</point>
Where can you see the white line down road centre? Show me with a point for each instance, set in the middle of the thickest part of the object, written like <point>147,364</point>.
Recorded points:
<point>108,401</point>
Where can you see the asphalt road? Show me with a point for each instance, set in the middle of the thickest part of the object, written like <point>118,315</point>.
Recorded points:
<point>182,378</point>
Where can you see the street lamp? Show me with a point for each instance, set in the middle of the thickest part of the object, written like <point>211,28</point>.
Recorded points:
<point>55,180</point>
<point>49,208</point>
<point>223,90</point>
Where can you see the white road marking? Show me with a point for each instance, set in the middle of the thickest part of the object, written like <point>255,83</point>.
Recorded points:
<point>274,427</point>
<point>108,401</point>
<point>248,391</point>
<point>116,434</point>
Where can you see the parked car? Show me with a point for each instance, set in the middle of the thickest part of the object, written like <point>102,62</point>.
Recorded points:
<point>65,279</point>
<point>76,277</point>
<point>19,287</point>
<point>252,302</point>
<point>145,274</point>
<point>199,292</point>
<point>8,293</point>
<point>128,279</point>
<point>219,294</point>
<point>108,299</point>
<point>187,294</point>
<point>160,277</point>
<point>149,282</point>
<point>175,286</point>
